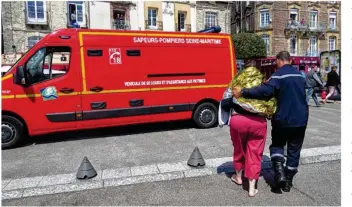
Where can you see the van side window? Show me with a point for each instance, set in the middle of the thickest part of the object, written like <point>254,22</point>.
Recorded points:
<point>48,63</point>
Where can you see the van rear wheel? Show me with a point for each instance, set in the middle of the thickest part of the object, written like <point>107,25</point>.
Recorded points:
<point>205,115</point>
<point>11,131</point>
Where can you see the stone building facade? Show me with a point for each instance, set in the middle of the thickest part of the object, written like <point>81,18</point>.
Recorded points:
<point>121,15</point>
<point>302,28</point>
<point>211,13</point>
<point>169,16</point>
<point>242,17</point>
<point>25,24</point>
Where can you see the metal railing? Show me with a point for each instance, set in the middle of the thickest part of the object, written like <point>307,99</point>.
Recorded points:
<point>187,28</point>
<point>303,26</point>
<point>317,28</point>
<point>296,25</point>
<point>312,53</point>
<point>120,25</point>
<point>294,52</point>
<point>158,26</point>
<point>265,26</point>
<point>299,52</point>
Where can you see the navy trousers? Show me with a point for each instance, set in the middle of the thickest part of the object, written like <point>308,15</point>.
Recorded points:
<point>293,137</point>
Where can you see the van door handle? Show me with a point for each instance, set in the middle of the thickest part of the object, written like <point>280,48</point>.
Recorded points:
<point>133,53</point>
<point>96,89</point>
<point>66,90</point>
<point>98,105</point>
<point>136,102</point>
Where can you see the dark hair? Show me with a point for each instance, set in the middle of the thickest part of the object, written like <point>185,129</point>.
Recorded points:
<point>283,56</point>
<point>302,67</point>
<point>250,63</point>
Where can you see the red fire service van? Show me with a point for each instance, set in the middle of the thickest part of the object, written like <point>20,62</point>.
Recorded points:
<point>83,79</point>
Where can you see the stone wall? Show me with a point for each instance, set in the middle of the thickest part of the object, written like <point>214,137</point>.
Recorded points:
<point>279,12</point>
<point>16,31</point>
<point>280,15</point>
<point>223,11</point>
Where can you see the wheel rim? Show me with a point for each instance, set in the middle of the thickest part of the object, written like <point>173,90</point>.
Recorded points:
<point>8,132</point>
<point>206,116</point>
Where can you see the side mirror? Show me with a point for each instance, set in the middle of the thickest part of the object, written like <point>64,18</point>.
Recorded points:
<point>20,78</point>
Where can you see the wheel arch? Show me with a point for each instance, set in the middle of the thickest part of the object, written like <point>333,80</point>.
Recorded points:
<point>10,113</point>
<point>206,100</point>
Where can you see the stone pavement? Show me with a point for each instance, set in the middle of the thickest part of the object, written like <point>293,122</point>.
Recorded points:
<point>315,185</point>
<point>147,144</point>
<point>45,185</point>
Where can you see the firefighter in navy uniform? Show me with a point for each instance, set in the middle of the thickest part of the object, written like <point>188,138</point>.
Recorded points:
<point>290,121</point>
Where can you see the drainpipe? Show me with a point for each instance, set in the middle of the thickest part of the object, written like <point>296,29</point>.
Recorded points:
<point>88,18</point>
<point>226,18</point>
<point>137,8</point>
<point>13,40</point>
<point>2,38</point>
<point>241,17</point>
<point>255,18</point>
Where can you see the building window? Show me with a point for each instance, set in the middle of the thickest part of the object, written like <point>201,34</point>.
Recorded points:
<point>313,19</point>
<point>293,45</point>
<point>294,15</point>
<point>332,2</point>
<point>76,12</point>
<point>264,18</point>
<point>32,41</point>
<point>152,13</point>
<point>266,39</point>
<point>332,20</point>
<point>313,46</point>
<point>210,19</point>
<point>238,27</point>
<point>36,12</point>
<point>247,23</point>
<point>332,43</point>
<point>181,21</point>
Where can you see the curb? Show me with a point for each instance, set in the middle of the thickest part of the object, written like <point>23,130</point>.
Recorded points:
<point>63,183</point>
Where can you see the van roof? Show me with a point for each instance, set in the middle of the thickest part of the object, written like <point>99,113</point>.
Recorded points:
<point>75,30</point>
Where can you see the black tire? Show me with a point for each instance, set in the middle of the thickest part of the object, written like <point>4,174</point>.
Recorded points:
<point>206,115</point>
<point>12,132</point>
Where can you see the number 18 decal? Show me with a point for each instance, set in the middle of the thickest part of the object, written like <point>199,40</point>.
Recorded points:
<point>115,56</point>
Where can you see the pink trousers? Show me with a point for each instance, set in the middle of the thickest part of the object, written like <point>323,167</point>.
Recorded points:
<point>248,135</point>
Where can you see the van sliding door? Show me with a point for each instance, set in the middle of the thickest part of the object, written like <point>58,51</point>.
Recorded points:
<point>115,90</point>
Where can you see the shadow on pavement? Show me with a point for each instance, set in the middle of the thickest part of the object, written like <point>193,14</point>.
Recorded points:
<point>267,173</point>
<point>110,131</point>
<point>268,176</point>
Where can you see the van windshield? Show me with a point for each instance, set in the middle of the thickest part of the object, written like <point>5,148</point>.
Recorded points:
<point>3,73</point>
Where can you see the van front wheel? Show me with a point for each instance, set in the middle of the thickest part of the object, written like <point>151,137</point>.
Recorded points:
<point>11,131</point>
<point>205,115</point>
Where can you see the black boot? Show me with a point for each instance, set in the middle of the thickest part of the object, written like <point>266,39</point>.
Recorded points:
<point>289,179</point>
<point>279,171</point>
